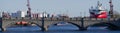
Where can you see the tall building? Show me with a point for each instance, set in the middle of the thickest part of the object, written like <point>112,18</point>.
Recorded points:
<point>21,13</point>
<point>18,14</point>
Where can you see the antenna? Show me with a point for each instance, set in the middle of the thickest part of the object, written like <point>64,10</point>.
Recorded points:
<point>98,3</point>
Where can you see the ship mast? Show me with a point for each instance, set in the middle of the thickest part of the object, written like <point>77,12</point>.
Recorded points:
<point>111,8</point>
<point>29,9</point>
<point>99,5</point>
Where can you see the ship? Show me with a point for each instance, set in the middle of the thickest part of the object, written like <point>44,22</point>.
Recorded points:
<point>98,11</point>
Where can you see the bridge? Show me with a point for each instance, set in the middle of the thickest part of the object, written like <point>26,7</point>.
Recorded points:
<point>44,23</point>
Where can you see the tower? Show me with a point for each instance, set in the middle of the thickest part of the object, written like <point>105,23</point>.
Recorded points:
<point>111,8</point>
<point>29,9</point>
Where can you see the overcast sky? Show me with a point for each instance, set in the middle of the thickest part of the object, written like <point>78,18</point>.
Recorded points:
<point>70,7</point>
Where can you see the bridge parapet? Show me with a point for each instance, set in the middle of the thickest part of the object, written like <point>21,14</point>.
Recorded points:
<point>60,19</point>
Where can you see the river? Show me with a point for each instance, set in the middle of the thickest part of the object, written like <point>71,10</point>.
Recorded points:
<point>57,29</point>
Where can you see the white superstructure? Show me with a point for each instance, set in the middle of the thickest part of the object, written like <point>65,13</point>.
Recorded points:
<point>94,12</point>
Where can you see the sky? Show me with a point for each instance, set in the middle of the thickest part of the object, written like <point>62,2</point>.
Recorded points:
<point>73,8</point>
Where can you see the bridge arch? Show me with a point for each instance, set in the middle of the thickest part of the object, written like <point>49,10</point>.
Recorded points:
<point>109,25</point>
<point>77,25</point>
<point>14,23</point>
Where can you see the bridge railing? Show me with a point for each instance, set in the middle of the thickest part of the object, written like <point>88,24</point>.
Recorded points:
<point>59,19</point>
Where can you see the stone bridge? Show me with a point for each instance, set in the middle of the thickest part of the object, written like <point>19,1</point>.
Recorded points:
<point>44,23</point>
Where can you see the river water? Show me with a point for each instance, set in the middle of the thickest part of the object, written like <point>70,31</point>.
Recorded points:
<point>57,29</point>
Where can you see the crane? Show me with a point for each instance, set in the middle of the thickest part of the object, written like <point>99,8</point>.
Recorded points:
<point>111,8</point>
<point>29,9</point>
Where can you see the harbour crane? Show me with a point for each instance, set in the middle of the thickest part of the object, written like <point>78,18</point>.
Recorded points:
<point>29,9</point>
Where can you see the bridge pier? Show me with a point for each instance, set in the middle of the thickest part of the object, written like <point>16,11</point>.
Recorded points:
<point>45,28</point>
<point>82,24</point>
<point>3,29</point>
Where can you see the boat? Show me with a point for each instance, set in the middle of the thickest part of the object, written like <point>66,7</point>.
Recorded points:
<point>98,12</point>
<point>22,23</point>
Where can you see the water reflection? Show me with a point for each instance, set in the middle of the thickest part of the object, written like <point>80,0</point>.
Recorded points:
<point>53,28</point>
<point>23,28</point>
<point>98,28</point>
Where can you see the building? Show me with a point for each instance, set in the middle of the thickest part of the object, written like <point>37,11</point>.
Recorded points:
<point>44,14</point>
<point>14,15</point>
<point>18,14</point>
<point>5,15</point>
<point>35,15</point>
